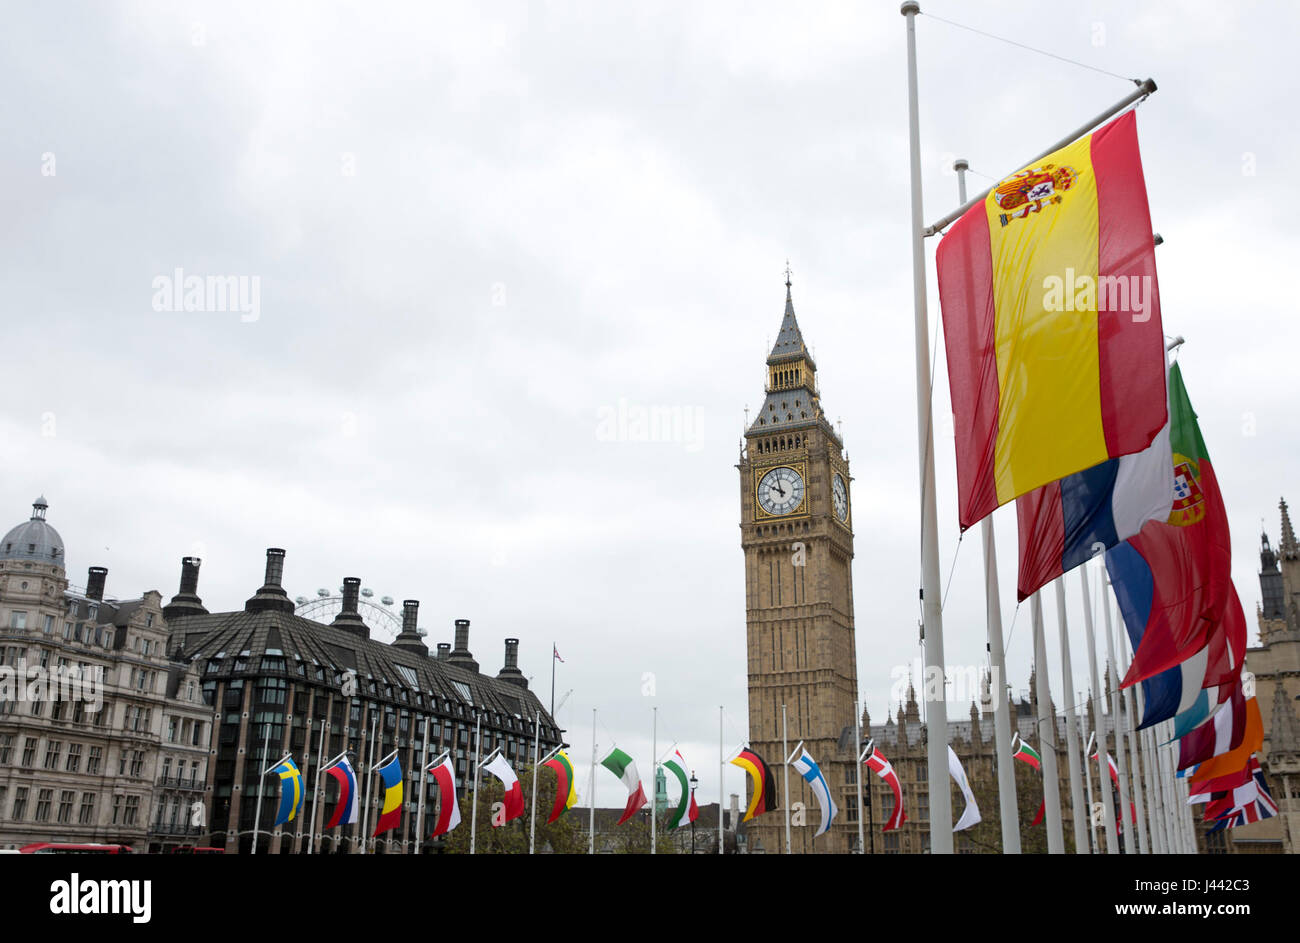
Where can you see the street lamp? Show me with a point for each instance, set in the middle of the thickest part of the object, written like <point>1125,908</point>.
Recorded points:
<point>695,782</point>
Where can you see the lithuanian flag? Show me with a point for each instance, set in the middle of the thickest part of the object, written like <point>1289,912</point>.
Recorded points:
<point>565,796</point>
<point>1051,319</point>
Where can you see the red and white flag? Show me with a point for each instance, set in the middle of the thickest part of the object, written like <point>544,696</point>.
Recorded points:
<point>514,800</point>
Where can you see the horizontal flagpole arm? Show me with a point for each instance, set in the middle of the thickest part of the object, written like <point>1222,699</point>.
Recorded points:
<point>1143,90</point>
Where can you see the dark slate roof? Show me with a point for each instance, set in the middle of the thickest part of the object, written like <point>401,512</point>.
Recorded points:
<point>301,641</point>
<point>789,340</point>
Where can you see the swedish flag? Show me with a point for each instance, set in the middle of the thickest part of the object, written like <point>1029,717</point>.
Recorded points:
<point>291,794</point>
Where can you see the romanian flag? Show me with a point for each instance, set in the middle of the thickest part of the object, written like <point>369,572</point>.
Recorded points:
<point>291,794</point>
<point>565,795</point>
<point>762,786</point>
<point>1051,319</point>
<point>391,816</point>
<point>1173,579</point>
<point>345,811</point>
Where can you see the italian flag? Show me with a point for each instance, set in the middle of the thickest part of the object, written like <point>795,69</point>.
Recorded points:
<point>687,811</point>
<point>622,766</point>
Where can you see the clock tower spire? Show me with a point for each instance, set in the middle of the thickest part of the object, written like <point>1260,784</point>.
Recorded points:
<point>797,535</point>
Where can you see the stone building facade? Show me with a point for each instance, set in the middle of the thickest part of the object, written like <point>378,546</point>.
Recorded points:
<point>113,746</point>
<point>796,524</point>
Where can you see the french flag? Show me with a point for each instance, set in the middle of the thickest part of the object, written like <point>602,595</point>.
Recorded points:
<point>1068,522</point>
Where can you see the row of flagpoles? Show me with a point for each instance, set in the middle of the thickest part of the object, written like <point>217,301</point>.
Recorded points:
<point>1064,402</point>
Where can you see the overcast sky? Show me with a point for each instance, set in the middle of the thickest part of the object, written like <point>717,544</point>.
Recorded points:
<point>482,236</point>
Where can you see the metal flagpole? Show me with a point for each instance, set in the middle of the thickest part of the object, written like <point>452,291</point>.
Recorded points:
<point>857,770</point>
<point>320,753</point>
<point>1143,90</point>
<point>532,827</point>
<point>932,614</point>
<point>370,781</point>
<point>1099,717</point>
<point>654,776</point>
<point>1046,733</point>
<point>424,766</point>
<point>1155,806</point>
<point>257,816</point>
<point>591,841</point>
<point>1007,806</point>
<point>785,747</point>
<point>721,780</point>
<point>1121,758</point>
<point>1087,772</point>
<point>1133,740</point>
<point>1071,733</point>
<point>554,651</point>
<point>478,754</point>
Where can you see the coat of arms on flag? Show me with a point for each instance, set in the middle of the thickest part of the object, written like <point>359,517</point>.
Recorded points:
<point>1189,499</point>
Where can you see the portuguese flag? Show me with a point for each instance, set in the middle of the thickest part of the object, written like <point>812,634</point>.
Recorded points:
<point>623,766</point>
<point>1173,579</point>
<point>565,796</point>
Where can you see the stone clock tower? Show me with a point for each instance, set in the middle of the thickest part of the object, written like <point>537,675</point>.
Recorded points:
<point>796,529</point>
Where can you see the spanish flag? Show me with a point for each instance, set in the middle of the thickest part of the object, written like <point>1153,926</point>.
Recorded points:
<point>1051,318</point>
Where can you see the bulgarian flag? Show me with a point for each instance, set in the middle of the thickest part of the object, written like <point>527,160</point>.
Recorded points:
<point>623,766</point>
<point>565,796</point>
<point>687,811</point>
<point>1029,756</point>
<point>1051,320</point>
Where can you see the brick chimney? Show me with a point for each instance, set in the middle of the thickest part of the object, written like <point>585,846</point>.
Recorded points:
<point>186,602</point>
<point>272,595</point>
<point>460,655</point>
<point>510,672</point>
<point>95,582</point>
<point>349,619</point>
<point>409,638</point>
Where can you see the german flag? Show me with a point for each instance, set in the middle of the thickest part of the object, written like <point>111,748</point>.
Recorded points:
<point>764,787</point>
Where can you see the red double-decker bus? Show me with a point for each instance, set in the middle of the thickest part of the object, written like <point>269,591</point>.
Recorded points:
<point>71,848</point>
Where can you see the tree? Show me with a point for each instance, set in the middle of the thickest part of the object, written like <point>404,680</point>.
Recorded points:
<point>565,836</point>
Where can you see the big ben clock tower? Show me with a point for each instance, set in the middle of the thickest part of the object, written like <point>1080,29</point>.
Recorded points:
<point>796,529</point>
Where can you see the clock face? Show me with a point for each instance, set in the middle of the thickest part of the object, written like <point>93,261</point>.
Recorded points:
<point>840,498</point>
<point>780,491</point>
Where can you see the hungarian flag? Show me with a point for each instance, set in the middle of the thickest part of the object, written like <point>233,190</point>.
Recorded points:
<point>444,774</point>
<point>687,811</point>
<point>565,796</point>
<point>762,787</point>
<point>623,766</point>
<point>1173,579</point>
<point>1051,319</point>
<point>876,761</point>
<point>514,798</point>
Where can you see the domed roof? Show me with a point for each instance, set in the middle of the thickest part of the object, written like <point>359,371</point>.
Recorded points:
<point>34,539</point>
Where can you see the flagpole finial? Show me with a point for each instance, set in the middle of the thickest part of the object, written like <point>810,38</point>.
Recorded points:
<point>911,7</point>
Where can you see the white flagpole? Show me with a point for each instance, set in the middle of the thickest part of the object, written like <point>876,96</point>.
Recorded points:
<point>1007,806</point>
<point>1087,772</point>
<point>1121,758</point>
<point>721,787</point>
<point>532,827</point>
<point>857,771</point>
<point>591,841</point>
<point>1099,716</point>
<point>478,754</point>
<point>932,614</point>
<point>1156,806</point>
<point>424,765</point>
<point>257,816</point>
<point>654,776</point>
<point>370,782</point>
<point>1046,734</point>
<point>785,747</point>
<point>1135,718</point>
<point>320,754</point>
<point>1071,732</point>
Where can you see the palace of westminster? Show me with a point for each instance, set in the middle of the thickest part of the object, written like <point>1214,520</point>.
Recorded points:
<point>168,749</point>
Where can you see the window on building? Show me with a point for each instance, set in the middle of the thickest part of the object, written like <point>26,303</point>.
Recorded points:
<point>20,804</point>
<point>93,759</point>
<point>194,772</point>
<point>78,712</point>
<point>66,798</point>
<point>6,749</point>
<point>87,814</point>
<point>57,709</point>
<point>137,762</point>
<point>67,631</point>
<point>17,619</point>
<point>117,810</point>
<point>74,758</point>
<point>196,735</point>
<point>44,799</point>
<point>49,625</point>
<point>37,708</point>
<point>167,767</point>
<point>132,810</point>
<point>891,843</point>
<point>29,752</point>
<point>923,807</point>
